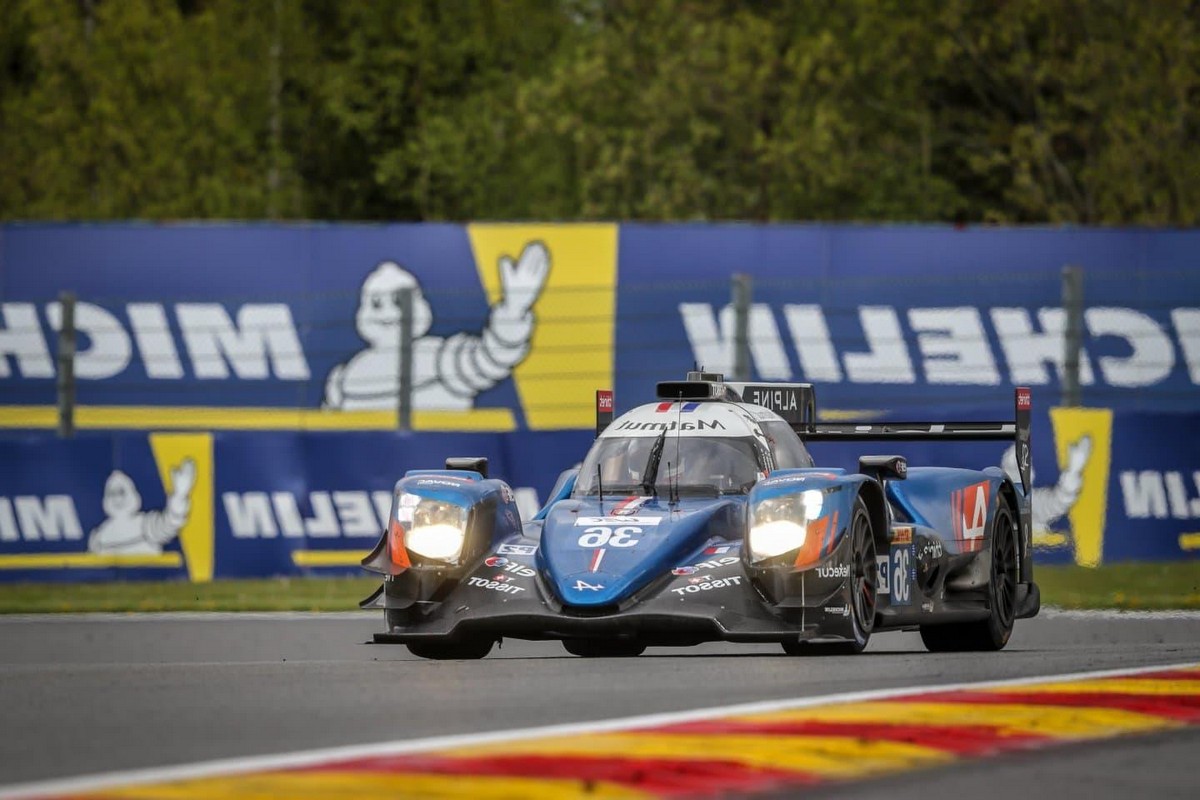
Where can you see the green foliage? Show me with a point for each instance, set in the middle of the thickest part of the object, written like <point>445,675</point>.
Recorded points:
<point>1050,111</point>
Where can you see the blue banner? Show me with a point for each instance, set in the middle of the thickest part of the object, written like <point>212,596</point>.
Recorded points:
<point>1108,486</point>
<point>297,327</point>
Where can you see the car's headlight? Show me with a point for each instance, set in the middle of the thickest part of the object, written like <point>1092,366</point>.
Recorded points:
<point>434,529</point>
<point>780,524</point>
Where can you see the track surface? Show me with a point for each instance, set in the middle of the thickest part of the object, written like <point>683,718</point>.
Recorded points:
<point>94,694</point>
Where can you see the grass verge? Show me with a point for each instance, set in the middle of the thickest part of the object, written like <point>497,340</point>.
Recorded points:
<point>1174,585</point>
<point>1132,587</point>
<point>274,594</point>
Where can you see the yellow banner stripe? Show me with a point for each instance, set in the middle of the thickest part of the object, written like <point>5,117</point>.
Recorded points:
<point>829,756</point>
<point>1007,718</point>
<point>334,785</point>
<point>284,419</point>
<point>87,561</point>
<point>328,558</point>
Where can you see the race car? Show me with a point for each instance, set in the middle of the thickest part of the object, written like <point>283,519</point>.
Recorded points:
<point>702,517</point>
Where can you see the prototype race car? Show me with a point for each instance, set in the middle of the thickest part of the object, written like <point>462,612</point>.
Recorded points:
<point>702,517</point>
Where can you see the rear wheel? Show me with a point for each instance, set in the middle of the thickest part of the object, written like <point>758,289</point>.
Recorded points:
<point>451,651</point>
<point>603,648</point>
<point>864,585</point>
<point>991,633</point>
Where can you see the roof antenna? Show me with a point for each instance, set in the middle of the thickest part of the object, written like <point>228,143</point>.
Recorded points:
<point>673,485</point>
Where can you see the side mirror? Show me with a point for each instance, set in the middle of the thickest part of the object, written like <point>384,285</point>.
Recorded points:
<point>882,468</point>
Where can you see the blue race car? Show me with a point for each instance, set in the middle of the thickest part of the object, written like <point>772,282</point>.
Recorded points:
<point>702,517</point>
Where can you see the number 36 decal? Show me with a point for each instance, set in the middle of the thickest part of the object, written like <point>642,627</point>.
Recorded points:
<point>610,537</point>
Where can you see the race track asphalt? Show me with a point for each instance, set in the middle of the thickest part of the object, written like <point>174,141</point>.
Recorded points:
<point>90,694</point>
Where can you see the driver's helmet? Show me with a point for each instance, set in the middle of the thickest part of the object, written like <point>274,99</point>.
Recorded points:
<point>702,460</point>
<point>626,462</point>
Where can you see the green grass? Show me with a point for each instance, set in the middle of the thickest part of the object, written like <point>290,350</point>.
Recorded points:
<point>1172,585</point>
<point>278,594</point>
<point>1168,585</point>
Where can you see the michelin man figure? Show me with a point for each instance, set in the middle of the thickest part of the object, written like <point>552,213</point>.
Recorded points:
<point>1052,503</point>
<point>131,531</point>
<point>448,372</point>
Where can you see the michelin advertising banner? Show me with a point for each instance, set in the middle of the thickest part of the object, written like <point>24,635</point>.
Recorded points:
<point>1108,486</point>
<point>297,326</point>
<point>238,384</point>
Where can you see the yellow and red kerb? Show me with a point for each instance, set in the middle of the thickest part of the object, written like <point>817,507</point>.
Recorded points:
<point>739,753</point>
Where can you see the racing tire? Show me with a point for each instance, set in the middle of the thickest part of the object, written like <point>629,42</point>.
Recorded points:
<point>992,633</point>
<point>451,651</point>
<point>864,589</point>
<point>603,648</point>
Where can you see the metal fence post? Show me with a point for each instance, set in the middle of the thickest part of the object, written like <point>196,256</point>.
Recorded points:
<point>404,397</point>
<point>1072,300</point>
<point>66,366</point>
<point>743,287</point>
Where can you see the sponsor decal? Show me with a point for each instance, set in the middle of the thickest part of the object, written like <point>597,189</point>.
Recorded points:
<point>931,550</point>
<point>841,611</point>
<point>689,570</point>
<point>495,585</point>
<point>629,506</point>
<point>718,550</point>
<point>881,569</point>
<point>719,583</point>
<point>597,557</point>
<point>927,606</point>
<point>833,571</point>
<point>619,520</point>
<point>684,408</point>
<point>455,483</point>
<point>969,510</point>
<point>902,534</point>
<point>517,549</point>
<point>512,567</point>
<point>1024,399</point>
<point>604,400</point>
<point>698,425</point>
<point>717,563</point>
<point>776,399</point>
<point>699,578</point>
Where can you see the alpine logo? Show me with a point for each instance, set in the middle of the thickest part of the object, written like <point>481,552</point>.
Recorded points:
<point>969,507</point>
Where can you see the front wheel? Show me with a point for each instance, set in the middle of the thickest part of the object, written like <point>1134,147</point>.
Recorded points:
<point>451,651</point>
<point>992,633</point>
<point>864,586</point>
<point>603,648</point>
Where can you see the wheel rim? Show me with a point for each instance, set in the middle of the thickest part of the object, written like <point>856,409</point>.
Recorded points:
<point>1004,555</point>
<point>865,573</point>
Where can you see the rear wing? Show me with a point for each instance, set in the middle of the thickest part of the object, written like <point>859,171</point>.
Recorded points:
<point>796,403</point>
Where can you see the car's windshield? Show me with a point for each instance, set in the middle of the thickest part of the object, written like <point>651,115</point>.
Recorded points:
<point>705,465</point>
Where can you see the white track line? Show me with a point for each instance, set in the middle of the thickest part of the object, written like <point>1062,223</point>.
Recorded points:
<point>309,758</point>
